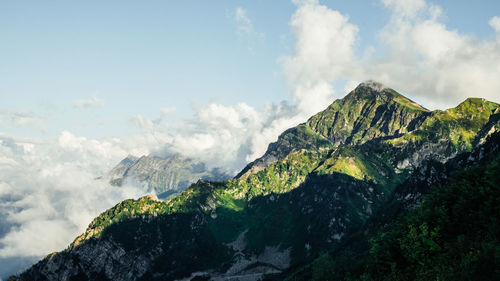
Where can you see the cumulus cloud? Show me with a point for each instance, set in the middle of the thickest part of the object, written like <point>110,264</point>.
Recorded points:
<point>94,101</point>
<point>231,136</point>
<point>439,66</point>
<point>226,137</point>
<point>324,46</point>
<point>419,54</point>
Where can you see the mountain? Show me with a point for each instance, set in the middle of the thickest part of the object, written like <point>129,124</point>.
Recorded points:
<point>166,176</point>
<point>320,198</point>
<point>369,112</point>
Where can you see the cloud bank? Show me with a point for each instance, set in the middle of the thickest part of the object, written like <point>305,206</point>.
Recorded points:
<point>50,190</point>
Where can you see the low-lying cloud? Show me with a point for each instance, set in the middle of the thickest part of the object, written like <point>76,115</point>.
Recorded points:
<point>50,190</point>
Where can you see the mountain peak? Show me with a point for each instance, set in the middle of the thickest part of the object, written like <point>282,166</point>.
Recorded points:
<point>372,91</point>
<point>370,111</point>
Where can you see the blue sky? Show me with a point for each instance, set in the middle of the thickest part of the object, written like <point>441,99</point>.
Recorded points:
<point>136,57</point>
<point>139,57</point>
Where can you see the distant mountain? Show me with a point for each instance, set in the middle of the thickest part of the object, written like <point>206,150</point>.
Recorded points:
<point>316,205</point>
<point>166,176</point>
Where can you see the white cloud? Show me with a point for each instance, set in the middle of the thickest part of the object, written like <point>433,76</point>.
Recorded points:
<point>438,66</point>
<point>495,23</point>
<point>94,101</point>
<point>142,122</point>
<point>405,8</point>
<point>155,125</point>
<point>164,111</point>
<point>324,46</point>
<point>50,189</point>
<point>22,118</point>
<point>222,136</point>
<point>245,29</point>
<point>244,23</point>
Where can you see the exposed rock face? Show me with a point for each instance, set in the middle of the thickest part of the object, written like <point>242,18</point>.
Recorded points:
<point>117,174</point>
<point>432,172</point>
<point>315,187</point>
<point>166,176</point>
<point>102,260</point>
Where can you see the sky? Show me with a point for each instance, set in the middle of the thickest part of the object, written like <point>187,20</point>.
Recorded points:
<point>85,83</point>
<point>127,58</point>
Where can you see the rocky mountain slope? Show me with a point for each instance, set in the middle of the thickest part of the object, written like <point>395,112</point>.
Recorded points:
<point>341,177</point>
<point>165,176</point>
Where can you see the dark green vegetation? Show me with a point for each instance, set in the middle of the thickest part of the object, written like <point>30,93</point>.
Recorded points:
<point>453,235</point>
<point>373,188</point>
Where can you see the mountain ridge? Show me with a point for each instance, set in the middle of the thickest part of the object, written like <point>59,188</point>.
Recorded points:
<point>312,188</point>
<point>385,113</point>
